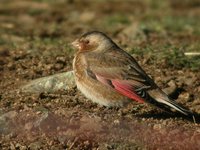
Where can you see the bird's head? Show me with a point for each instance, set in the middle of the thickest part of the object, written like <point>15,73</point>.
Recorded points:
<point>93,41</point>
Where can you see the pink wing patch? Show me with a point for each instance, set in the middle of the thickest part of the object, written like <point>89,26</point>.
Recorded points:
<point>127,90</point>
<point>122,87</point>
<point>103,80</point>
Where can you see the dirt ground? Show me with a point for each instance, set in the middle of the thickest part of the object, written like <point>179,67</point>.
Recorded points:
<point>34,43</point>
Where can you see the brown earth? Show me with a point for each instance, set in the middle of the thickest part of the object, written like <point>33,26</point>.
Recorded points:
<point>34,43</point>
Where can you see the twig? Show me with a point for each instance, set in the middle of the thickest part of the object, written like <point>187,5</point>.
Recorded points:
<point>192,53</point>
<point>194,119</point>
<point>71,146</point>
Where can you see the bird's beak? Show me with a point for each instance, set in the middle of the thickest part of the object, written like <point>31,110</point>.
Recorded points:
<point>76,44</point>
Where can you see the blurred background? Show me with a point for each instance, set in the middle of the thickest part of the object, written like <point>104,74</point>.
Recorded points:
<point>35,37</point>
<point>162,29</point>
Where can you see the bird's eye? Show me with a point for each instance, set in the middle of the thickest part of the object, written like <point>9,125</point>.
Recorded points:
<point>87,41</point>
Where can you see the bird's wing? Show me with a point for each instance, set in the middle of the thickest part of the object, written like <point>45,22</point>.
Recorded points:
<point>120,71</point>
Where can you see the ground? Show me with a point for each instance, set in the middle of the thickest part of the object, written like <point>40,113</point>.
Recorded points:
<point>34,42</point>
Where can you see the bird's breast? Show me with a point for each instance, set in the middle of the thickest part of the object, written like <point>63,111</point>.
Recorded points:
<point>79,66</point>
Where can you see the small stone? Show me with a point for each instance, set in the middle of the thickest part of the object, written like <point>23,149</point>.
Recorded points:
<point>157,126</point>
<point>172,83</point>
<point>38,112</point>
<point>164,122</point>
<point>35,146</point>
<point>86,143</point>
<point>19,146</point>
<point>144,119</point>
<point>12,146</point>
<point>61,60</point>
<point>184,96</point>
<point>23,148</point>
<point>116,122</point>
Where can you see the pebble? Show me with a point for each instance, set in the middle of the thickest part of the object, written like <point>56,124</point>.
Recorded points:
<point>53,83</point>
<point>157,126</point>
<point>35,146</point>
<point>116,122</point>
<point>184,96</point>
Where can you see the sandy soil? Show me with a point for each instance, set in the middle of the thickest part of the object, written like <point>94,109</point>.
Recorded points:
<point>34,37</point>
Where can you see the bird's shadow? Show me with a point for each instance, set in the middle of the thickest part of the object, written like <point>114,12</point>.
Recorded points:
<point>164,115</point>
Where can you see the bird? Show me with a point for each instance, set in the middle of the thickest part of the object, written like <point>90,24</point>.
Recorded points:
<point>109,76</point>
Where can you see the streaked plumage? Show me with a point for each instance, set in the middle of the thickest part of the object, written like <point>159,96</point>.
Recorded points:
<point>108,75</point>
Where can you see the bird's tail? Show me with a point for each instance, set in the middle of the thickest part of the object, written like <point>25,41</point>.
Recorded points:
<point>174,105</point>
<point>161,100</point>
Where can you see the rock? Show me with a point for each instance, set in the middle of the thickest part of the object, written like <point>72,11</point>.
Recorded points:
<point>5,120</point>
<point>35,146</point>
<point>61,81</point>
<point>172,83</point>
<point>23,148</point>
<point>12,146</point>
<point>170,90</point>
<point>19,146</point>
<point>173,91</point>
<point>184,97</point>
<point>116,122</point>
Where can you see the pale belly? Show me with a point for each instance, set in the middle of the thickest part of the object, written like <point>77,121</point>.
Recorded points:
<point>101,94</point>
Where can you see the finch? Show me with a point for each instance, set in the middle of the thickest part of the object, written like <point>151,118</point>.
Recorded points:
<point>110,76</point>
